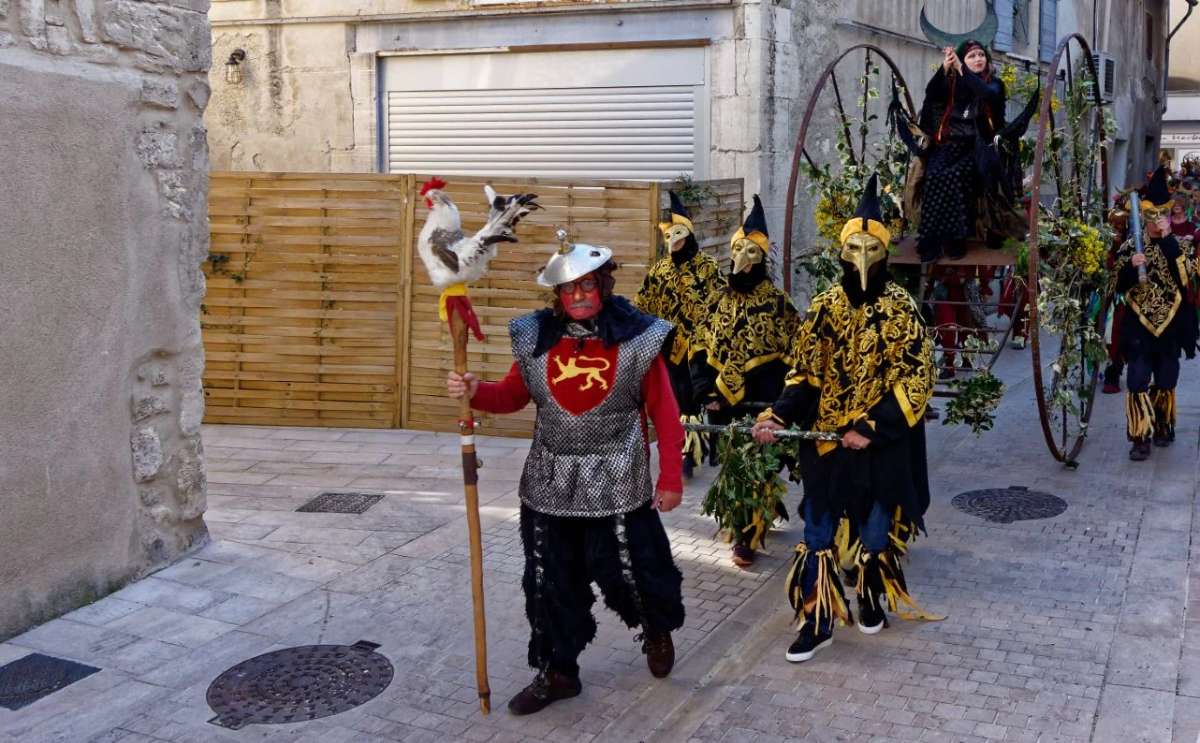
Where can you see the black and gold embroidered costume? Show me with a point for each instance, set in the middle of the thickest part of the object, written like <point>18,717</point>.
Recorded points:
<point>863,363</point>
<point>744,356</point>
<point>1158,324</point>
<point>680,288</point>
<point>748,334</point>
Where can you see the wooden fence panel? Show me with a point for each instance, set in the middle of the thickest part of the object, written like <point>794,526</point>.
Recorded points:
<point>320,313</point>
<point>300,320</point>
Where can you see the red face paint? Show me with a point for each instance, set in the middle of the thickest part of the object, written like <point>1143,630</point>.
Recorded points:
<point>581,298</point>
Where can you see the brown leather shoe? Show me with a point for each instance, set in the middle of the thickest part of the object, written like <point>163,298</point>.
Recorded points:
<point>545,689</point>
<point>743,556</point>
<point>660,652</point>
<point>1140,451</point>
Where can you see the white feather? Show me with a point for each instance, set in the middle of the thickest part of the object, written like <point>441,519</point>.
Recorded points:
<point>473,253</point>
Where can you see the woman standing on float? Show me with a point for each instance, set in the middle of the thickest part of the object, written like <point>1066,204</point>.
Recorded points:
<point>963,107</point>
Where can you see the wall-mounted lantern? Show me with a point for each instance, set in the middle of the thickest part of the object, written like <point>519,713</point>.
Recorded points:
<point>233,67</point>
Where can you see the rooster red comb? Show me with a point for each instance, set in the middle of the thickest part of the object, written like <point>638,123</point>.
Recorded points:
<point>430,185</point>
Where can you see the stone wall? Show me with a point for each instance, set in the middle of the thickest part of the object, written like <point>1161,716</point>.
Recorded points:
<point>103,212</point>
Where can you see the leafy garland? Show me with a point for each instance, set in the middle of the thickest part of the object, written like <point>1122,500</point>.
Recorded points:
<point>746,491</point>
<point>978,396</point>
<point>1073,240</point>
<point>837,191</point>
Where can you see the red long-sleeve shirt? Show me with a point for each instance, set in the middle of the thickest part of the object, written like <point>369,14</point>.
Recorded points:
<point>658,404</point>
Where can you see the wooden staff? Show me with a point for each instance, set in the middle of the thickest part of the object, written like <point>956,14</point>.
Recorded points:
<point>470,465</point>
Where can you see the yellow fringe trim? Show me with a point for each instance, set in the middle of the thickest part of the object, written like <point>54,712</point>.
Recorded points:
<point>691,440</point>
<point>826,600</point>
<point>1139,415</point>
<point>893,589</point>
<point>846,551</point>
<point>1164,406</point>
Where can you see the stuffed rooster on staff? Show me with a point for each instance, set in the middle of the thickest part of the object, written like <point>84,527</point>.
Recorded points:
<point>453,260</point>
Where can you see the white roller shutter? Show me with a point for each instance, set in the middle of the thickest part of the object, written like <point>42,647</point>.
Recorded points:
<point>498,117</point>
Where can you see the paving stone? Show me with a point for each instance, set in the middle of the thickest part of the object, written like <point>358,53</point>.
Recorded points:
<point>156,591</point>
<point>172,627</point>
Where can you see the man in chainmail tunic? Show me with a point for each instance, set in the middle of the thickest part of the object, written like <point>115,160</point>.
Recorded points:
<point>593,365</point>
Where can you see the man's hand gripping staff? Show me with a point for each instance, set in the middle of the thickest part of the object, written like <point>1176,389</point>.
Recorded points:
<point>452,261</point>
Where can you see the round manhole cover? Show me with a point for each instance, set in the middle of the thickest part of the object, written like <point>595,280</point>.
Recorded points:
<point>1006,505</point>
<point>297,684</point>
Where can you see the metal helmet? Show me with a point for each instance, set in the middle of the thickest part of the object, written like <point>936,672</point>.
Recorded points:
<point>572,261</point>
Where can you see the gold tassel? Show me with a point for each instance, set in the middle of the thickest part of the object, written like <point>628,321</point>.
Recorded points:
<point>826,599</point>
<point>897,593</point>
<point>846,552</point>
<point>903,532</point>
<point>692,445</point>
<point>1164,407</point>
<point>1139,414</point>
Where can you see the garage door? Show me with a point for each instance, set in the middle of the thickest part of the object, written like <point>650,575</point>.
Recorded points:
<point>615,114</point>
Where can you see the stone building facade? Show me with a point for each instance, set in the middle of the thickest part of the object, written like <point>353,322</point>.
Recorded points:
<point>103,212</point>
<point>379,85</point>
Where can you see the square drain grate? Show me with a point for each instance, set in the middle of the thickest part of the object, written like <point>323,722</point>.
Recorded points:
<point>341,503</point>
<point>28,679</point>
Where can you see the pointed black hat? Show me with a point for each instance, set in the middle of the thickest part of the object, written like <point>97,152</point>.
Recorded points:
<point>869,215</point>
<point>756,221</point>
<point>1157,191</point>
<point>868,205</point>
<point>677,206</point>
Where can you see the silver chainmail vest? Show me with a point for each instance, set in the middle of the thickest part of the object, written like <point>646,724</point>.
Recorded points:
<point>596,463</point>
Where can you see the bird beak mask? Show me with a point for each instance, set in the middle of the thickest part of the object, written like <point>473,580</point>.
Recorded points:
<point>863,250</point>
<point>864,237</point>
<point>674,233</point>
<point>746,252</point>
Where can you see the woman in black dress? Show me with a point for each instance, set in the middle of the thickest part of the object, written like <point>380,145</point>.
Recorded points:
<point>962,112</point>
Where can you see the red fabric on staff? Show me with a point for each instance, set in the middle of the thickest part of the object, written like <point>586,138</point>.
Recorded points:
<point>462,307</point>
<point>510,395</point>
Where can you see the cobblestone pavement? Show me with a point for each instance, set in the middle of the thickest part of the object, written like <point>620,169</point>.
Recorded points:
<point>1081,627</point>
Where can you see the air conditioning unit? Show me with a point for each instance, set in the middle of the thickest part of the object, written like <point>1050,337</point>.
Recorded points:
<point>1106,70</point>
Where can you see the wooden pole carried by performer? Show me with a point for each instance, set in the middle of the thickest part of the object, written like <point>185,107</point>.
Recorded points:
<point>453,260</point>
<point>470,466</point>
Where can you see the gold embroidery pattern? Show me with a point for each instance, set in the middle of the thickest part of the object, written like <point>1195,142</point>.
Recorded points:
<point>590,374</point>
<point>680,296</point>
<point>1155,302</point>
<point>745,331</point>
<point>855,356</point>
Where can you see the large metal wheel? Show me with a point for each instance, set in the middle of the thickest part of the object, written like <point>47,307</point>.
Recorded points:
<point>860,62</point>
<point>1065,384</point>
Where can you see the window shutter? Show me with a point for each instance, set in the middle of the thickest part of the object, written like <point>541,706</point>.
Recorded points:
<point>1004,34</point>
<point>623,133</point>
<point>1048,30</point>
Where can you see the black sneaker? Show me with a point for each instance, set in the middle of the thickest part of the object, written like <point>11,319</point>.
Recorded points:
<point>807,644</point>
<point>871,619</point>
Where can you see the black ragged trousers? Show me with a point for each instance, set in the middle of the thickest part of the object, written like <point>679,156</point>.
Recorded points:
<point>626,555</point>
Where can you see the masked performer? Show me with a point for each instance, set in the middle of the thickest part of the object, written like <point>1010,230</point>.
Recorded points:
<point>679,288</point>
<point>864,369</point>
<point>1158,323</point>
<point>593,366</point>
<point>746,340</point>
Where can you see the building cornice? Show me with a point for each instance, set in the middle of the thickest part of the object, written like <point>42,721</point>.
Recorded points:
<point>537,8</point>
